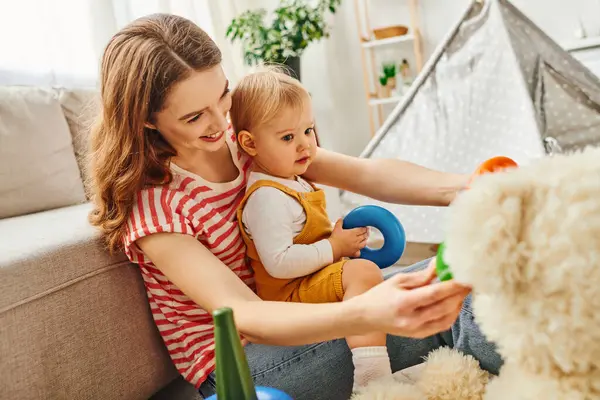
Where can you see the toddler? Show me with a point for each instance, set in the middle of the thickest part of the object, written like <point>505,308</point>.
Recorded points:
<point>296,254</point>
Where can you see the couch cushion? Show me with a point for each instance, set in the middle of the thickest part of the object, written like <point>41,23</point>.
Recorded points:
<point>44,251</point>
<point>81,108</point>
<point>74,321</point>
<point>38,170</point>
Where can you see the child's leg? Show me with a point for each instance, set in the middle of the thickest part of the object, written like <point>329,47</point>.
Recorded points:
<point>369,352</point>
<point>342,281</point>
<point>358,276</point>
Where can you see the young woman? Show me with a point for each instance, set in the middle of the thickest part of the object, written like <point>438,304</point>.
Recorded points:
<point>168,177</point>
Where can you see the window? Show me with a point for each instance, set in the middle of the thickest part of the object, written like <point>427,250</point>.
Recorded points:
<point>60,42</point>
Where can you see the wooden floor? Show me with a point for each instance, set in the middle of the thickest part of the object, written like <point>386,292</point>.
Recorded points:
<point>416,252</point>
<point>413,253</point>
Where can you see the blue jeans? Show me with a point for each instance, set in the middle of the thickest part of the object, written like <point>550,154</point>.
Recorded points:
<point>325,370</point>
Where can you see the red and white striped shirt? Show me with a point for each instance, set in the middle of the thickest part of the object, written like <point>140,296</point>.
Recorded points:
<point>207,211</point>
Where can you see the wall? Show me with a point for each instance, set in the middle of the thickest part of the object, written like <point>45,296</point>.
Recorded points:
<point>332,69</point>
<point>332,73</point>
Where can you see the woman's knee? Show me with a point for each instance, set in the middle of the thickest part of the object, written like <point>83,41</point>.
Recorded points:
<point>319,371</point>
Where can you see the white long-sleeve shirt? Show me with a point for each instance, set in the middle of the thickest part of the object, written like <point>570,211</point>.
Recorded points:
<point>273,219</point>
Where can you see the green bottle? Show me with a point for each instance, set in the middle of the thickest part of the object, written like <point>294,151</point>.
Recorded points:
<point>234,381</point>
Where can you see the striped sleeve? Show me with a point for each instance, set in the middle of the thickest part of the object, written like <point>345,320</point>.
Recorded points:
<point>157,209</point>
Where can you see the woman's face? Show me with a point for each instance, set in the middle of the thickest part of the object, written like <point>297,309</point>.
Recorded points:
<point>194,116</point>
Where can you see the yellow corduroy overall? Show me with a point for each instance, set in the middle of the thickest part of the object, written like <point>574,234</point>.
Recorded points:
<point>322,286</point>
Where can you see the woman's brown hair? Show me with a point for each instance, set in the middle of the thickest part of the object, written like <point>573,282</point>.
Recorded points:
<point>140,64</point>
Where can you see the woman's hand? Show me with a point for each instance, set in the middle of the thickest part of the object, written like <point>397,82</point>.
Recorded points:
<point>347,242</point>
<point>419,309</point>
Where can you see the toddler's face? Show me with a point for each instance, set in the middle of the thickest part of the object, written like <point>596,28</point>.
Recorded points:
<point>287,145</point>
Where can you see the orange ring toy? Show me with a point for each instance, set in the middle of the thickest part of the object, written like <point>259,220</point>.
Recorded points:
<point>492,165</point>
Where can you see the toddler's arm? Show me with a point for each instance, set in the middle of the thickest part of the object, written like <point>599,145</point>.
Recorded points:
<point>269,218</point>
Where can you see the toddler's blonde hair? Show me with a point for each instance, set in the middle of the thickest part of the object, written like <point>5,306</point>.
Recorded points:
<point>260,96</point>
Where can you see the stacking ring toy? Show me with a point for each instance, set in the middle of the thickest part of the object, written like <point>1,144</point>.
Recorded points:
<point>394,237</point>
<point>495,164</point>
<point>234,381</point>
<point>441,268</point>
<point>262,393</point>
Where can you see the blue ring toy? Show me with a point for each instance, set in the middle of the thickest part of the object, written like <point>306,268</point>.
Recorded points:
<point>264,393</point>
<point>390,227</point>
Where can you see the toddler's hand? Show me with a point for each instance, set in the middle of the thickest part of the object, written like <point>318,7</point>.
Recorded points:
<point>347,242</point>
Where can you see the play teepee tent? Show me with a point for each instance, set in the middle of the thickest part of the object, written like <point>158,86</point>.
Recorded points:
<point>497,85</point>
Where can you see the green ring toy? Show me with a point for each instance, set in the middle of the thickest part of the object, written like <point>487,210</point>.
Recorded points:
<point>442,269</point>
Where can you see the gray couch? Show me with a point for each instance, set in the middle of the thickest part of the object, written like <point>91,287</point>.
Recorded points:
<point>74,320</point>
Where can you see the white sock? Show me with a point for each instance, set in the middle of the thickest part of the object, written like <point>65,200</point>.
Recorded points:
<point>370,363</point>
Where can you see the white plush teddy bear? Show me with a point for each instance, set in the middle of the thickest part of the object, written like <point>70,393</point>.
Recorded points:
<point>528,241</point>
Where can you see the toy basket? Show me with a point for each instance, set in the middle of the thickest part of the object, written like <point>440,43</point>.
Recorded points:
<point>390,31</point>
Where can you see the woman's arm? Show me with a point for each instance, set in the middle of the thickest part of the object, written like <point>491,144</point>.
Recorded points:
<point>390,307</point>
<point>392,181</point>
<point>212,285</point>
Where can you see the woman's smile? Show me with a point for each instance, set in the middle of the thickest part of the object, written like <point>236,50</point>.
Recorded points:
<point>212,138</point>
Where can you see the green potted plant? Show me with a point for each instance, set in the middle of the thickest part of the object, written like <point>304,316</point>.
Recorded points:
<point>295,24</point>
<point>384,89</point>
<point>389,71</point>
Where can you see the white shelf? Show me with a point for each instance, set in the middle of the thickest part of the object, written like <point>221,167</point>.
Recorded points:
<point>388,41</point>
<point>369,46</point>
<point>387,100</point>
<point>581,44</point>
